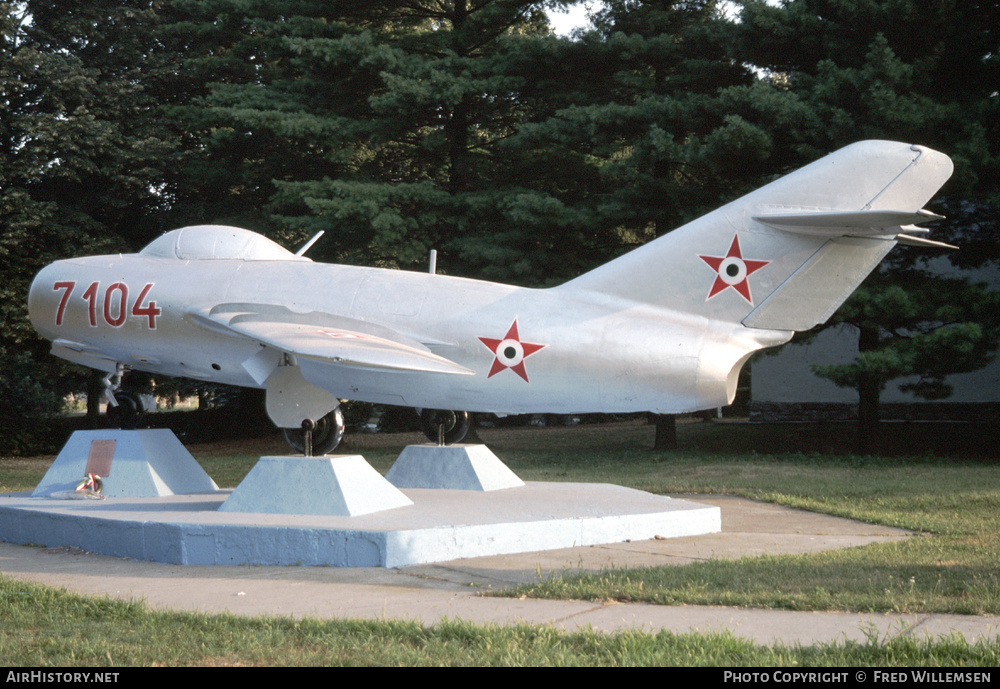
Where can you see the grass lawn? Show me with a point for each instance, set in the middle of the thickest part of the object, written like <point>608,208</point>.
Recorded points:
<point>41,626</point>
<point>953,503</point>
<point>951,565</point>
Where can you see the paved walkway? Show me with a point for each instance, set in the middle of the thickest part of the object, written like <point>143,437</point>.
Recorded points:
<point>452,590</point>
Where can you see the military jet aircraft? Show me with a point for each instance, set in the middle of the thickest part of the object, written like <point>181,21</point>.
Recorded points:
<point>664,328</point>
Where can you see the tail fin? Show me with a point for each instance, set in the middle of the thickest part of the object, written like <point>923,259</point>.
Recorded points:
<point>787,255</point>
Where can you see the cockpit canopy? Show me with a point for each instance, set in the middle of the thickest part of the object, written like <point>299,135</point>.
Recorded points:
<point>217,242</point>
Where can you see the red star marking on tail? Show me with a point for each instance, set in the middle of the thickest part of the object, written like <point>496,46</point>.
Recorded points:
<point>732,270</point>
<point>510,352</point>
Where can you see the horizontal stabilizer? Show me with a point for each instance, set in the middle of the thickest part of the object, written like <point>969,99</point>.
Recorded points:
<point>840,223</point>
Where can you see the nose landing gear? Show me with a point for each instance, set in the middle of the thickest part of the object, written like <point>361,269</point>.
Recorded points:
<point>126,414</point>
<point>124,408</point>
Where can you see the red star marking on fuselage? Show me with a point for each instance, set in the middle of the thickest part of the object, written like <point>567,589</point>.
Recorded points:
<point>732,270</point>
<point>510,352</point>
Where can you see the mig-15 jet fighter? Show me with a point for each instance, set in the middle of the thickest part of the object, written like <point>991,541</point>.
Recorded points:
<point>664,328</point>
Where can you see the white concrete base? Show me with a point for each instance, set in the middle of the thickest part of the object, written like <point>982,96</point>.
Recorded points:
<point>342,485</point>
<point>145,463</point>
<point>456,467</point>
<point>440,525</point>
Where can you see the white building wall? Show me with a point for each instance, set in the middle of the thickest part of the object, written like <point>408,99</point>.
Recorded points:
<point>783,381</point>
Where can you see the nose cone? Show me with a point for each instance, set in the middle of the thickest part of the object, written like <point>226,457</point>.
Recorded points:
<point>43,301</point>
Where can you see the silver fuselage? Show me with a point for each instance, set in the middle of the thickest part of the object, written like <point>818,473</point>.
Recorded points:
<point>600,354</point>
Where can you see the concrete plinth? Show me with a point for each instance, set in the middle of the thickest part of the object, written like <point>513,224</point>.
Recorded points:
<point>334,511</point>
<point>440,525</point>
<point>344,485</point>
<point>455,467</point>
<point>132,464</point>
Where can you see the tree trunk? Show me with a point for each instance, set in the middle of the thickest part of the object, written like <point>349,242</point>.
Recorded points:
<point>869,393</point>
<point>666,432</point>
<point>94,391</point>
<point>457,127</point>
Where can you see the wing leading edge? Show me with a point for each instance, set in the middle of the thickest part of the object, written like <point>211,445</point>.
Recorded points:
<point>326,338</point>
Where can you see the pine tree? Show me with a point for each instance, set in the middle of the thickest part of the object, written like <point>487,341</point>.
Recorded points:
<point>77,164</point>
<point>653,94</point>
<point>914,71</point>
<point>383,123</point>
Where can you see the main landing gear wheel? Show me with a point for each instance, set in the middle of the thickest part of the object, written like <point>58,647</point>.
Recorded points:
<point>438,424</point>
<point>327,435</point>
<point>126,415</point>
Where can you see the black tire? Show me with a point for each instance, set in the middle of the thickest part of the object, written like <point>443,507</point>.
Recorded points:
<point>126,415</point>
<point>454,423</point>
<point>328,434</point>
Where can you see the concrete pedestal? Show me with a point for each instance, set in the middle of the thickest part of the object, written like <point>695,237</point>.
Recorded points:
<point>132,464</point>
<point>456,467</point>
<point>343,485</point>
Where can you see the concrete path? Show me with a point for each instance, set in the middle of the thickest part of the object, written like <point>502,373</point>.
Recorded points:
<point>453,590</point>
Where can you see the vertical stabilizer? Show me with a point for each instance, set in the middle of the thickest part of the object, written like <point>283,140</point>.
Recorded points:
<point>787,255</point>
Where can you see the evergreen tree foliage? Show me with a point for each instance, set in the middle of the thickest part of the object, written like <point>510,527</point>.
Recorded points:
<point>78,163</point>
<point>650,105</point>
<point>382,123</point>
<point>908,70</point>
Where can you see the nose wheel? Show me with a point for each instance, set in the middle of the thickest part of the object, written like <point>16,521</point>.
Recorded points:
<point>443,426</point>
<point>124,408</point>
<point>125,415</point>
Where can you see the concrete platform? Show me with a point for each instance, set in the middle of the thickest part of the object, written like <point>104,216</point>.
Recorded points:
<point>441,525</point>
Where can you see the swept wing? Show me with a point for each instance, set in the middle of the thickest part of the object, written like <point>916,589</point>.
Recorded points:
<point>326,338</point>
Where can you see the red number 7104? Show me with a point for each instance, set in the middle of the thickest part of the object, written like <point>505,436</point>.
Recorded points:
<point>115,303</point>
